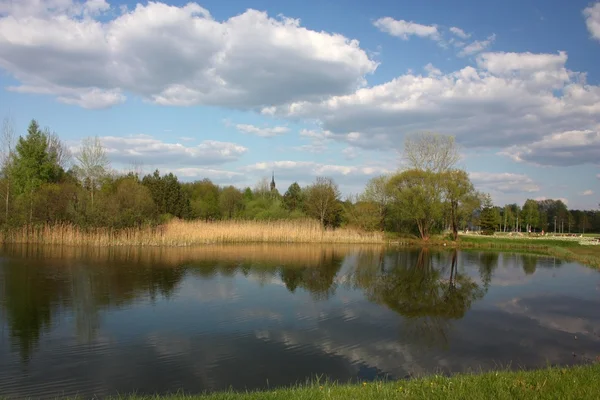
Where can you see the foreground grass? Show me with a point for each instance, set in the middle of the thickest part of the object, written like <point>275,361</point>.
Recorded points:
<point>191,233</point>
<point>579,382</point>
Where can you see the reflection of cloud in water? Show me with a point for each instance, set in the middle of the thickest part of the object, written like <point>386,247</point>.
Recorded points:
<point>209,290</point>
<point>556,313</point>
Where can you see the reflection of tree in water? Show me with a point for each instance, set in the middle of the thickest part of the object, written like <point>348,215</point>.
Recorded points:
<point>319,279</point>
<point>35,292</point>
<point>529,263</point>
<point>423,294</point>
<point>488,262</point>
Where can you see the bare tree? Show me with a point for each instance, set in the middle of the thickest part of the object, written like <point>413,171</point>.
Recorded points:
<point>58,149</point>
<point>431,152</point>
<point>6,155</point>
<point>93,164</point>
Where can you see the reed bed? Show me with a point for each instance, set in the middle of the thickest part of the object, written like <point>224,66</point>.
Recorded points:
<point>190,233</point>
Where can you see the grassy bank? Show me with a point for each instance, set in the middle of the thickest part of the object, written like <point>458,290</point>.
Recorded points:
<point>580,382</point>
<point>190,233</point>
<point>557,247</point>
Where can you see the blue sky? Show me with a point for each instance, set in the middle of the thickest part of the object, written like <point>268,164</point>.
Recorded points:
<point>233,90</point>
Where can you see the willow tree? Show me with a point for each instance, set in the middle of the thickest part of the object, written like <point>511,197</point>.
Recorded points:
<point>415,196</point>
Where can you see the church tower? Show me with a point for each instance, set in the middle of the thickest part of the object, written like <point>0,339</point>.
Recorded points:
<point>273,182</point>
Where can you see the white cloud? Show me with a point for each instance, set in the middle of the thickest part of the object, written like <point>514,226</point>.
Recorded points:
<point>563,148</point>
<point>404,29</point>
<point>262,132</point>
<point>172,55</point>
<point>431,70</point>
<point>477,46</point>
<point>587,192</point>
<point>506,99</point>
<point>504,182</point>
<point>459,32</point>
<point>147,150</point>
<point>592,20</point>
<point>350,153</point>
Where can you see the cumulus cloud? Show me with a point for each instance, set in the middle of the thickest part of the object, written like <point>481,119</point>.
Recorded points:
<point>505,99</point>
<point>146,150</point>
<point>587,192</point>
<point>477,46</point>
<point>262,132</point>
<point>459,32</point>
<point>503,182</point>
<point>404,29</point>
<point>592,20</point>
<point>563,149</point>
<point>172,55</point>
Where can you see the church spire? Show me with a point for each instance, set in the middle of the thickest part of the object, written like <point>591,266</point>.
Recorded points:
<point>273,182</point>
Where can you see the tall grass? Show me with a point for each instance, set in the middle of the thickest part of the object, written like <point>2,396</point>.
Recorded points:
<point>190,233</point>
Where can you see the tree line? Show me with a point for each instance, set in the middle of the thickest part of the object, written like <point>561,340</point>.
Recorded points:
<point>41,182</point>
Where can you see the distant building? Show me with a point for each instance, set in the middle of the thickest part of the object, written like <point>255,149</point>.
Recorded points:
<point>273,182</point>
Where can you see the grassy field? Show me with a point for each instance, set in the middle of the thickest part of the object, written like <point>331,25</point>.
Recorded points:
<point>191,233</point>
<point>579,382</point>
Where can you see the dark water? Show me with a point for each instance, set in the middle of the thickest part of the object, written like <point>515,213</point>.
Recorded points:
<point>100,321</point>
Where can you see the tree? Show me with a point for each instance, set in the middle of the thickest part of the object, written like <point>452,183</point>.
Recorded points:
<point>93,164</point>
<point>168,194</point>
<point>377,192</point>
<point>33,164</point>
<point>431,152</point>
<point>459,194</point>
<point>487,219</point>
<point>530,214</point>
<point>322,200</point>
<point>58,149</point>
<point>230,201</point>
<point>293,197</point>
<point>416,197</point>
<point>6,157</point>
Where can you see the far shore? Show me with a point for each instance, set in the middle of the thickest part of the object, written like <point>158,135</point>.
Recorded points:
<point>177,233</point>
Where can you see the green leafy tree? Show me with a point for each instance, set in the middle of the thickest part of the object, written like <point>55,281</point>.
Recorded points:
<point>377,193</point>
<point>460,197</point>
<point>293,198</point>
<point>488,217</point>
<point>230,202</point>
<point>167,194</point>
<point>530,214</point>
<point>416,197</point>
<point>33,164</point>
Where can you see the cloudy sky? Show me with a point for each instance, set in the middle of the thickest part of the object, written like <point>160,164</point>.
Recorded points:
<point>233,90</point>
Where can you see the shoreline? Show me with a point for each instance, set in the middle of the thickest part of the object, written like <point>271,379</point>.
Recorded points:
<point>573,382</point>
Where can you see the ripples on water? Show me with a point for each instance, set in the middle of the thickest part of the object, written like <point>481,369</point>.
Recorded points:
<point>102,321</point>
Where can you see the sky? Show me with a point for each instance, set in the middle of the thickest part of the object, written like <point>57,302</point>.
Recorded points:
<point>233,91</point>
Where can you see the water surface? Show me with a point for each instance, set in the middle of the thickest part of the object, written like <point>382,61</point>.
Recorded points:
<point>106,321</point>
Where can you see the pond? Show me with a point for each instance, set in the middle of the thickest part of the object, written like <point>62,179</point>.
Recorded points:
<point>101,321</point>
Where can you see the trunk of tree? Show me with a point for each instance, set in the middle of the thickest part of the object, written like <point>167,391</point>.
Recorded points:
<point>7,198</point>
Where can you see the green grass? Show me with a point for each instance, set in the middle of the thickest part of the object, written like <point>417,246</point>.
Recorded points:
<point>579,382</point>
<point>565,249</point>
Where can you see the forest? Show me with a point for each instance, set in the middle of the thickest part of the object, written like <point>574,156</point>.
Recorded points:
<point>41,182</point>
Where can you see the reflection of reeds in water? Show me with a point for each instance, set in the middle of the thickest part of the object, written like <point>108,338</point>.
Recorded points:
<point>190,233</point>
<point>267,254</point>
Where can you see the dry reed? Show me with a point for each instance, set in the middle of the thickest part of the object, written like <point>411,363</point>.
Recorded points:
<point>190,233</point>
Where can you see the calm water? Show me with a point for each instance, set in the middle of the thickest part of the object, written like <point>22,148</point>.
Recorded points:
<point>100,321</point>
